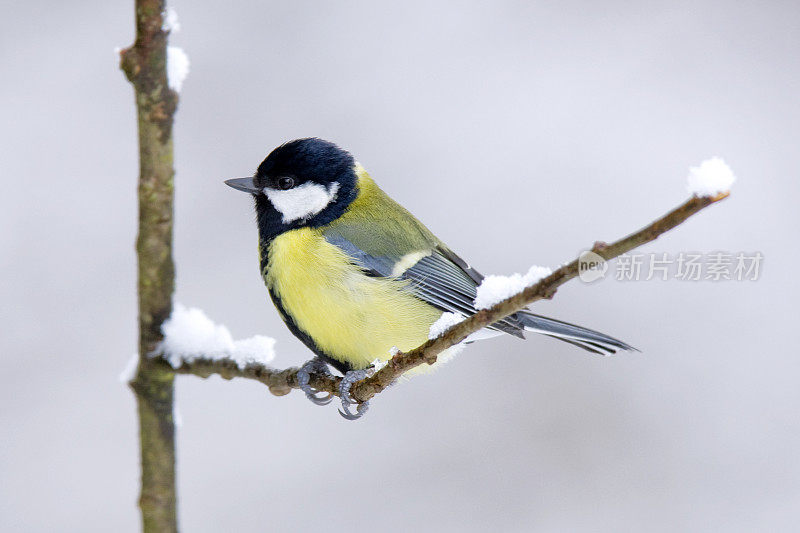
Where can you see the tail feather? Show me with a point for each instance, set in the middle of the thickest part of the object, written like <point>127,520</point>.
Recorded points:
<point>580,345</point>
<point>588,339</point>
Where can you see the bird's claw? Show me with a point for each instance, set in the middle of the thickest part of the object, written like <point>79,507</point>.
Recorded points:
<point>319,398</point>
<point>303,377</point>
<point>347,414</point>
<point>344,392</point>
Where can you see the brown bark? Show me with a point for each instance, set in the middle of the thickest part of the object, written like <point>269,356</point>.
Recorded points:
<point>144,64</point>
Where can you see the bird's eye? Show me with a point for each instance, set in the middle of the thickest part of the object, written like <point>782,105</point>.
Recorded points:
<point>285,182</point>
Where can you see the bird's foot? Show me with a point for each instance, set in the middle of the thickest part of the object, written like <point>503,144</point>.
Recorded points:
<point>348,380</point>
<point>317,366</point>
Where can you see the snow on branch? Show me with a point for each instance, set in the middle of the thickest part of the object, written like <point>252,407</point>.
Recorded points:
<point>711,178</point>
<point>502,296</point>
<point>189,334</point>
<point>177,67</point>
<point>445,322</point>
<point>177,59</point>
<point>171,22</point>
<point>496,288</point>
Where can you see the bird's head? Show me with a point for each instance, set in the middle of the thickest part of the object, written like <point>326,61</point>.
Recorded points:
<point>305,182</point>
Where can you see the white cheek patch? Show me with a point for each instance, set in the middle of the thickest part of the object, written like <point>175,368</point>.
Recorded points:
<point>302,202</point>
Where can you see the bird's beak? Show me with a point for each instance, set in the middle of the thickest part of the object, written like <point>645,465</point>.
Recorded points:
<point>243,184</point>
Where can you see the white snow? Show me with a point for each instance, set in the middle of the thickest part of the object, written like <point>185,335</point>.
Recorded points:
<point>177,60</point>
<point>129,371</point>
<point>445,322</point>
<point>713,177</point>
<point>170,20</point>
<point>177,67</point>
<point>495,289</point>
<point>189,334</point>
<point>377,364</point>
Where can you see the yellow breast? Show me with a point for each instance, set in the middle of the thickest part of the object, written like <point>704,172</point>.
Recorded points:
<point>350,316</point>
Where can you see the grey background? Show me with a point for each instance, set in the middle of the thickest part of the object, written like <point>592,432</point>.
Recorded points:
<point>520,132</point>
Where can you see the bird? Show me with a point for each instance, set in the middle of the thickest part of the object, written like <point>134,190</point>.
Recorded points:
<point>354,275</point>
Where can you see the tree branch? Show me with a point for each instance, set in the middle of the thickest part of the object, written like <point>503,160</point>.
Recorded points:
<point>144,64</point>
<point>280,382</point>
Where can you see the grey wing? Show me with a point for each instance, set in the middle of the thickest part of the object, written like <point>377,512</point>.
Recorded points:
<point>446,282</point>
<point>434,278</point>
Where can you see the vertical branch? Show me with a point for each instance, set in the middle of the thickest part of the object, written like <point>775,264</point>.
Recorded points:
<point>144,64</point>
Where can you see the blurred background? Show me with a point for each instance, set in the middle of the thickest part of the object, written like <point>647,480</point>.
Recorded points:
<point>520,132</point>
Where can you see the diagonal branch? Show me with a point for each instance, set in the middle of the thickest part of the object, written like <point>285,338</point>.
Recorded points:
<point>280,382</point>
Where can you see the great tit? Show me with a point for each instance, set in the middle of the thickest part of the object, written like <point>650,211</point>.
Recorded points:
<point>353,274</point>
